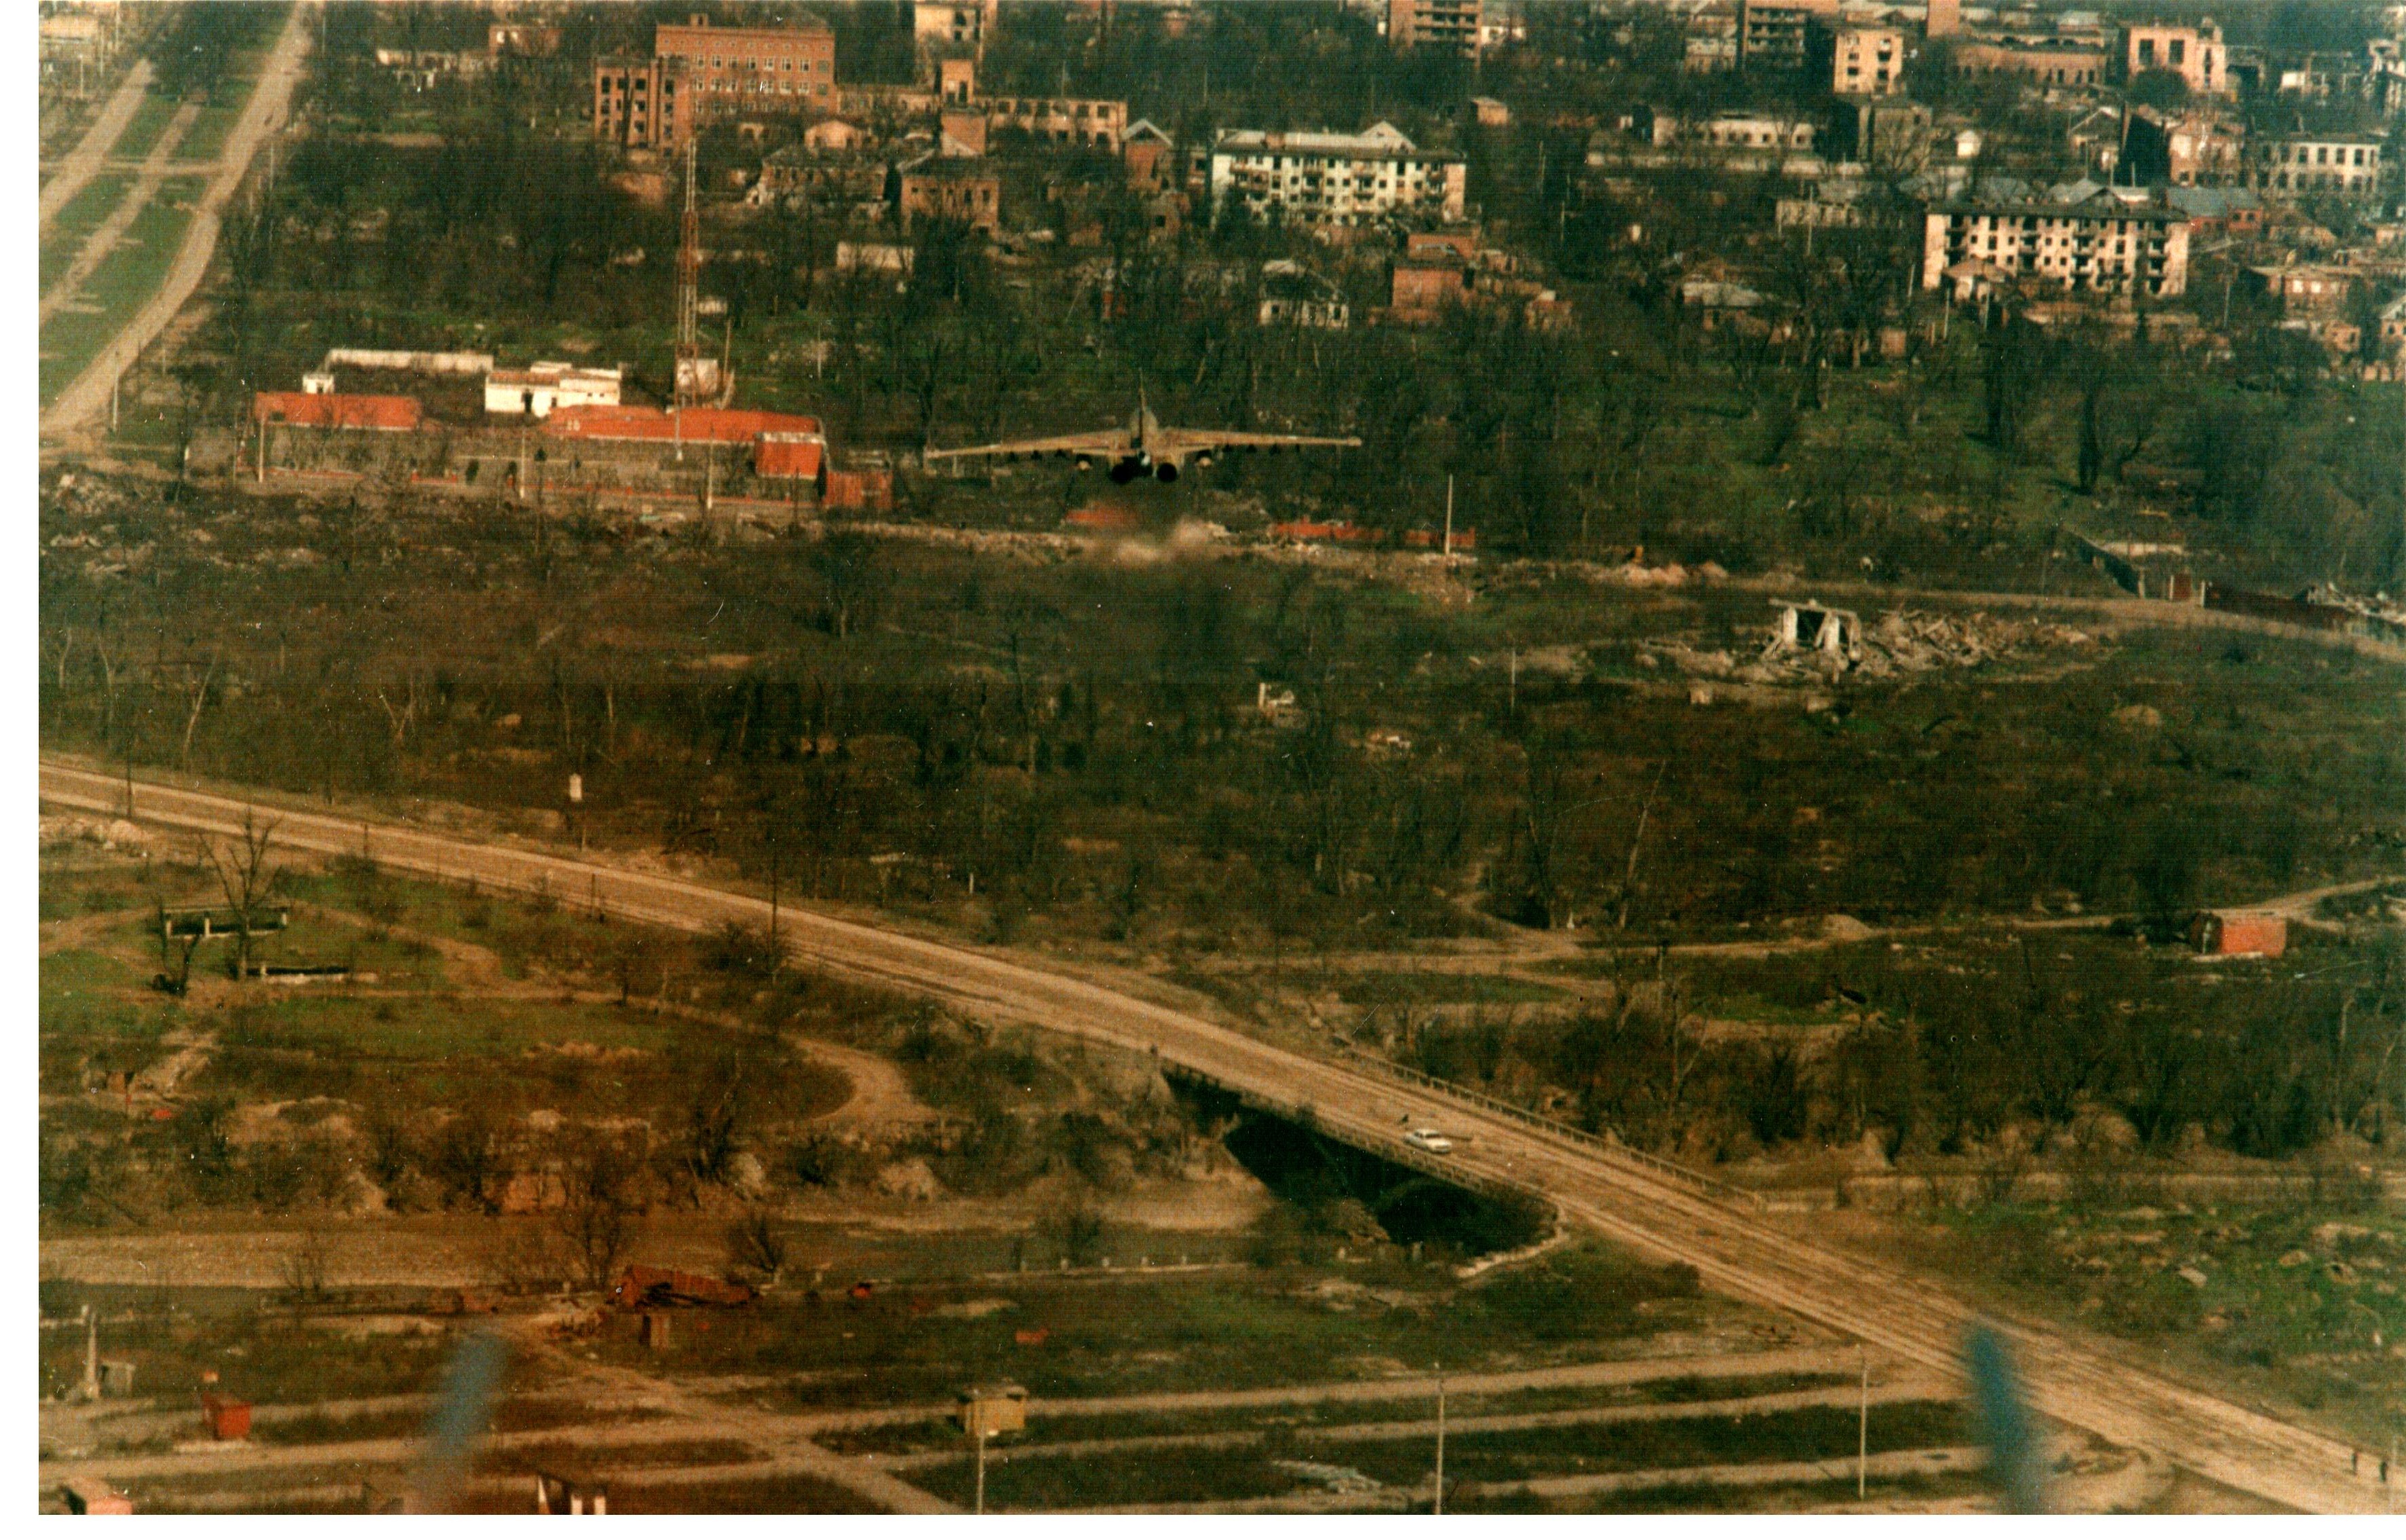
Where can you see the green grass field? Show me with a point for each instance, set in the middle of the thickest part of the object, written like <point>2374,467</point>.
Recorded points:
<point>122,285</point>
<point>2301,1301</point>
<point>1264,1327</point>
<point>206,138</point>
<point>1810,1432</point>
<point>142,131</point>
<point>83,214</point>
<point>1219,1474</point>
<point>258,1356</point>
<point>944,1435</point>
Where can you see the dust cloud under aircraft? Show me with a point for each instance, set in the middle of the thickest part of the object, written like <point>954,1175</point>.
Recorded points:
<point>1144,447</point>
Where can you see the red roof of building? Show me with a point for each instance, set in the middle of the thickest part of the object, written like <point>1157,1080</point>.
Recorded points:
<point>383,414</point>
<point>702,424</point>
<point>1304,529</point>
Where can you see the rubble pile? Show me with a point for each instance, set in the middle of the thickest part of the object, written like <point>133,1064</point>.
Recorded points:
<point>1811,645</point>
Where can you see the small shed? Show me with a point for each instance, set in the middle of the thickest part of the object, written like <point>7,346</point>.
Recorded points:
<point>225,1418</point>
<point>1490,112</point>
<point>2239,934</point>
<point>986,1410</point>
<point>640,1287</point>
<point>117,1377</point>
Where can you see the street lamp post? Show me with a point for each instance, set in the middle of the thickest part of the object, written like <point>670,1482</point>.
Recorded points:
<point>1436,1504</point>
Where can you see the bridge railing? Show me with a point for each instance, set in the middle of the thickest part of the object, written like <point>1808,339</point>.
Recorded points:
<point>1695,1180</point>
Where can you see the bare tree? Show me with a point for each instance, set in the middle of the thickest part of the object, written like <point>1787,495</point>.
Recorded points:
<point>246,878</point>
<point>847,566</point>
<point>192,719</point>
<point>755,1246</point>
<point>303,1269</point>
<point>602,1213</point>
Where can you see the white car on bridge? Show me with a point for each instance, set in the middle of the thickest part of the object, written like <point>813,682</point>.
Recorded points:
<point>1430,1140</point>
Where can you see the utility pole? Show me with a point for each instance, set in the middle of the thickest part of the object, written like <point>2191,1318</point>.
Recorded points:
<point>688,381</point>
<point>776,948</point>
<point>1449,515</point>
<point>90,1390</point>
<point>981,1466</point>
<point>1863,1423</point>
<point>1436,1504</point>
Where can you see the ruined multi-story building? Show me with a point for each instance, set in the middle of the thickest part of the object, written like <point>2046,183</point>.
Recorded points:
<point>2113,241</point>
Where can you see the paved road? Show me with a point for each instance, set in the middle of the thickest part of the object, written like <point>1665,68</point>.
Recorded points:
<point>2079,1379</point>
<point>85,160</point>
<point>87,394</point>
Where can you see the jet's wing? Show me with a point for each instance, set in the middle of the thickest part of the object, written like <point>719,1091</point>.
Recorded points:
<point>1109,441</point>
<point>1178,443</point>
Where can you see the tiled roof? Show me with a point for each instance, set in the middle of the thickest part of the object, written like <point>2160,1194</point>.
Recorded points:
<point>702,424</point>
<point>383,414</point>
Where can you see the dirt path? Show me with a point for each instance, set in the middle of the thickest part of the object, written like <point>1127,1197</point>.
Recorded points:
<point>1397,1499</point>
<point>87,394</point>
<point>1775,1474</point>
<point>2074,1375</point>
<point>784,1441</point>
<point>780,1438</point>
<point>102,241</point>
<point>1919,1388</point>
<point>1606,1374</point>
<point>1519,960</point>
<point>91,153</point>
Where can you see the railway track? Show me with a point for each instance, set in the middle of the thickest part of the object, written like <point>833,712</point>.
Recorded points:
<point>2073,1377</point>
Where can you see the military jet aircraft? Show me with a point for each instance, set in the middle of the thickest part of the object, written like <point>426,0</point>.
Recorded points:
<point>1143,447</point>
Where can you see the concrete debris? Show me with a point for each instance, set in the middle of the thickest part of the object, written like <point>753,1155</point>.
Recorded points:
<point>1814,643</point>
<point>1636,573</point>
<point>911,1179</point>
<point>1339,1479</point>
<point>107,833</point>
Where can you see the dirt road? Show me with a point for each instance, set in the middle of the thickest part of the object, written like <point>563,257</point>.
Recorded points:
<point>91,153</point>
<point>2078,1377</point>
<point>1924,1388</point>
<point>87,394</point>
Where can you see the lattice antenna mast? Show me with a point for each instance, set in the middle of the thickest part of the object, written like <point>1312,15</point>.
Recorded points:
<point>689,349</point>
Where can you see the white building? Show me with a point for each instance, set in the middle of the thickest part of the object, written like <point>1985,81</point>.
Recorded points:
<point>1335,178</point>
<point>2111,240</point>
<point>541,389</point>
